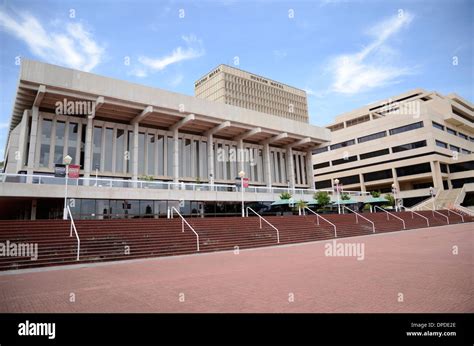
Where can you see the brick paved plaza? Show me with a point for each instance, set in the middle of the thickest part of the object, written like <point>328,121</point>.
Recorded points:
<point>419,264</point>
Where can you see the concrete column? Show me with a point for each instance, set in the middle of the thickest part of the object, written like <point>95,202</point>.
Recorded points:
<point>309,169</point>
<point>362,183</point>
<point>33,139</point>
<point>135,152</point>
<point>267,164</point>
<point>395,179</point>
<point>241,158</point>
<point>20,156</point>
<point>436,174</point>
<point>210,159</point>
<point>175,156</point>
<point>290,168</point>
<point>88,149</point>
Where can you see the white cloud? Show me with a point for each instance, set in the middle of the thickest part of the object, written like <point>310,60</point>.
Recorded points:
<point>4,125</point>
<point>371,66</point>
<point>73,47</point>
<point>192,50</point>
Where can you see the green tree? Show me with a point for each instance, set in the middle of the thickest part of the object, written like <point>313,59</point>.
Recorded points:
<point>285,195</point>
<point>345,196</point>
<point>301,204</point>
<point>322,197</point>
<point>390,199</point>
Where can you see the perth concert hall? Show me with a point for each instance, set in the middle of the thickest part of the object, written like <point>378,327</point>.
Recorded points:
<point>131,171</point>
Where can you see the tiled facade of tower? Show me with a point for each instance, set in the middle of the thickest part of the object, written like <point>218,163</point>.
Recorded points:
<point>239,88</point>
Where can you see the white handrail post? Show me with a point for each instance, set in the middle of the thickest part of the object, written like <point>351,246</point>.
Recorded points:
<point>319,216</point>
<point>75,230</point>
<point>261,218</point>
<point>388,213</point>
<point>183,221</point>
<point>357,214</point>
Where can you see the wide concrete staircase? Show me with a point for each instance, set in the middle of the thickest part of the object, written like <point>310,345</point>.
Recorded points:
<point>112,240</point>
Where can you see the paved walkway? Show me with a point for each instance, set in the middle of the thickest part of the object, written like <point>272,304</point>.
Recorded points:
<point>418,264</point>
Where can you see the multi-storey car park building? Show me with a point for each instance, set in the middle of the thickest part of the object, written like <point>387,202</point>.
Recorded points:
<point>240,88</point>
<point>119,132</point>
<point>415,140</point>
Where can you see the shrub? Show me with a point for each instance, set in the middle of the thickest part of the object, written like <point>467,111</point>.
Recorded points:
<point>322,197</point>
<point>285,195</point>
<point>375,194</point>
<point>390,199</point>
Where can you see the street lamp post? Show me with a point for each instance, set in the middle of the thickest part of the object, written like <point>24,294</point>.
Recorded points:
<point>337,196</point>
<point>67,161</point>
<point>242,175</point>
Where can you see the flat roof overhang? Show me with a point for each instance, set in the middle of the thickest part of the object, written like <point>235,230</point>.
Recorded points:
<point>43,85</point>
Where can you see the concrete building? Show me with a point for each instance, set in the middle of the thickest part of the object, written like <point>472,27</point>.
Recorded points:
<point>142,150</point>
<point>415,140</point>
<point>240,88</point>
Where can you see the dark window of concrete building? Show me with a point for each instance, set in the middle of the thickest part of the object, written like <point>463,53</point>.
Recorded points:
<point>343,144</point>
<point>414,169</point>
<point>454,148</point>
<point>374,154</point>
<point>443,167</point>
<point>462,135</point>
<point>441,144</point>
<point>353,179</point>
<point>321,165</point>
<point>320,150</point>
<point>46,128</point>
<point>59,142</point>
<point>346,160</point>
<point>409,146</point>
<point>372,137</point>
<point>378,175</point>
<point>73,130</point>
<point>420,186</point>
<point>323,184</point>
<point>438,126</point>
<point>459,183</point>
<point>451,131</point>
<point>109,149</point>
<point>96,148</point>
<point>406,128</point>
<point>461,167</point>
<point>120,150</point>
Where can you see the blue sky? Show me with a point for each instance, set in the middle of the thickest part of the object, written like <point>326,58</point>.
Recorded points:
<point>345,53</point>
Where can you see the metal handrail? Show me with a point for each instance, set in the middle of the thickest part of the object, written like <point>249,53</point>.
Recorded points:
<point>463,210</point>
<point>159,184</point>
<point>357,217</point>
<point>73,225</point>
<point>261,218</point>
<point>437,212</point>
<point>329,222</point>
<point>451,211</point>
<point>389,213</point>
<point>414,212</point>
<point>183,221</point>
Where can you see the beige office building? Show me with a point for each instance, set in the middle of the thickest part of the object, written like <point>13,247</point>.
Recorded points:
<point>415,140</point>
<point>239,88</point>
